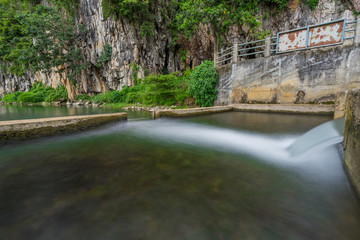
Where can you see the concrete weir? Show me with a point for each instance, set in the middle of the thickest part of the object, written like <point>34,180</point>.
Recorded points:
<point>352,138</point>
<point>286,108</point>
<point>30,128</point>
<point>275,108</point>
<point>189,112</point>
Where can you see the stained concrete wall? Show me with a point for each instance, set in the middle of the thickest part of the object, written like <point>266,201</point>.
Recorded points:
<point>352,138</point>
<point>312,76</point>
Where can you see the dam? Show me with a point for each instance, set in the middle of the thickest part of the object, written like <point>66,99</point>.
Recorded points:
<point>232,175</point>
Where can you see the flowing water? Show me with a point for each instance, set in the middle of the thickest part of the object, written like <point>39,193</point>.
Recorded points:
<point>222,176</point>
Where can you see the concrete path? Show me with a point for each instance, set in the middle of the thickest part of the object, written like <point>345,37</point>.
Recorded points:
<point>29,128</point>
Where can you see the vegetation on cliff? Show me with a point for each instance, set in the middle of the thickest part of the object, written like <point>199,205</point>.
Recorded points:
<point>37,93</point>
<point>153,90</point>
<point>39,39</point>
<point>167,89</point>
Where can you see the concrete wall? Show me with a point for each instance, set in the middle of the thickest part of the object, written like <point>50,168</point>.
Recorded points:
<point>352,138</point>
<point>312,76</point>
<point>31,128</point>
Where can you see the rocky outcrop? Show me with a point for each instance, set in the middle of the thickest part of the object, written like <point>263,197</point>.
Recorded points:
<point>156,53</point>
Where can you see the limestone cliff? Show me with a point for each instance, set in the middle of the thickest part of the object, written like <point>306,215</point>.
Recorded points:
<point>156,54</point>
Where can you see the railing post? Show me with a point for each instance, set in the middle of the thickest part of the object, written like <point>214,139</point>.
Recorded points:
<point>267,46</point>
<point>357,31</point>
<point>216,56</point>
<point>235,51</point>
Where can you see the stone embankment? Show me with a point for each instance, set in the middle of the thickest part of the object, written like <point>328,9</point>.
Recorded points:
<point>352,138</point>
<point>24,129</point>
<point>304,77</point>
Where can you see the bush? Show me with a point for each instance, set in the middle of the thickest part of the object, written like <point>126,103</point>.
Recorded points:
<point>154,89</point>
<point>202,83</point>
<point>11,97</point>
<point>59,93</point>
<point>31,97</point>
<point>37,93</point>
<point>312,3</point>
<point>83,97</point>
<point>107,97</point>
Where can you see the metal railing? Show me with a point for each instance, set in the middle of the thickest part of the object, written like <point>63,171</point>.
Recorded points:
<point>251,48</point>
<point>311,37</point>
<point>225,56</point>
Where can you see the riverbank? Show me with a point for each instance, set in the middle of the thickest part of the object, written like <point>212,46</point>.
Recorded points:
<point>31,128</point>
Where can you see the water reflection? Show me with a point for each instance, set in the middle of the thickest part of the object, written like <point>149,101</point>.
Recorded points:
<point>175,180</point>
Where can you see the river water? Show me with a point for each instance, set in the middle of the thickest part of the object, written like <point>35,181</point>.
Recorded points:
<point>15,112</point>
<point>223,176</point>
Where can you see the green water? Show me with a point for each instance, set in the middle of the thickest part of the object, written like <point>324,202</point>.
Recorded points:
<point>221,176</point>
<point>16,112</point>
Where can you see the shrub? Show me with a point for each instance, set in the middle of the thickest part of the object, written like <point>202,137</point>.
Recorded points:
<point>312,3</point>
<point>11,97</point>
<point>202,83</point>
<point>59,93</point>
<point>31,97</point>
<point>83,97</point>
<point>164,89</point>
<point>107,97</point>
<point>37,93</point>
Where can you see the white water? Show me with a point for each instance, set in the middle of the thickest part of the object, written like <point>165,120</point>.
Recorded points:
<point>280,149</point>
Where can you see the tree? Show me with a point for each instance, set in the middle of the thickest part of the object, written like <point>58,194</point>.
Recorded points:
<point>219,14</point>
<point>40,39</point>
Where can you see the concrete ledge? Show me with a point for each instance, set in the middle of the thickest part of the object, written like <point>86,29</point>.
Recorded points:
<point>352,139</point>
<point>24,129</point>
<point>286,108</point>
<point>189,112</point>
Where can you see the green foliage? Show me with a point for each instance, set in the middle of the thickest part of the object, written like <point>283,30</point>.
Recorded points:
<point>164,89</point>
<point>83,97</point>
<point>108,97</point>
<point>202,83</point>
<point>135,11</point>
<point>105,56</point>
<point>30,97</point>
<point>147,29</point>
<point>37,93</point>
<point>153,90</point>
<point>132,10</point>
<point>38,38</point>
<point>69,6</point>
<point>183,54</point>
<point>280,3</point>
<point>11,97</point>
<point>312,3</point>
<point>135,71</point>
<point>59,93</point>
<point>219,14</point>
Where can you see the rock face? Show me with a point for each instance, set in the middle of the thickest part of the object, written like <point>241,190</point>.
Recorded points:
<point>155,54</point>
<point>352,138</point>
